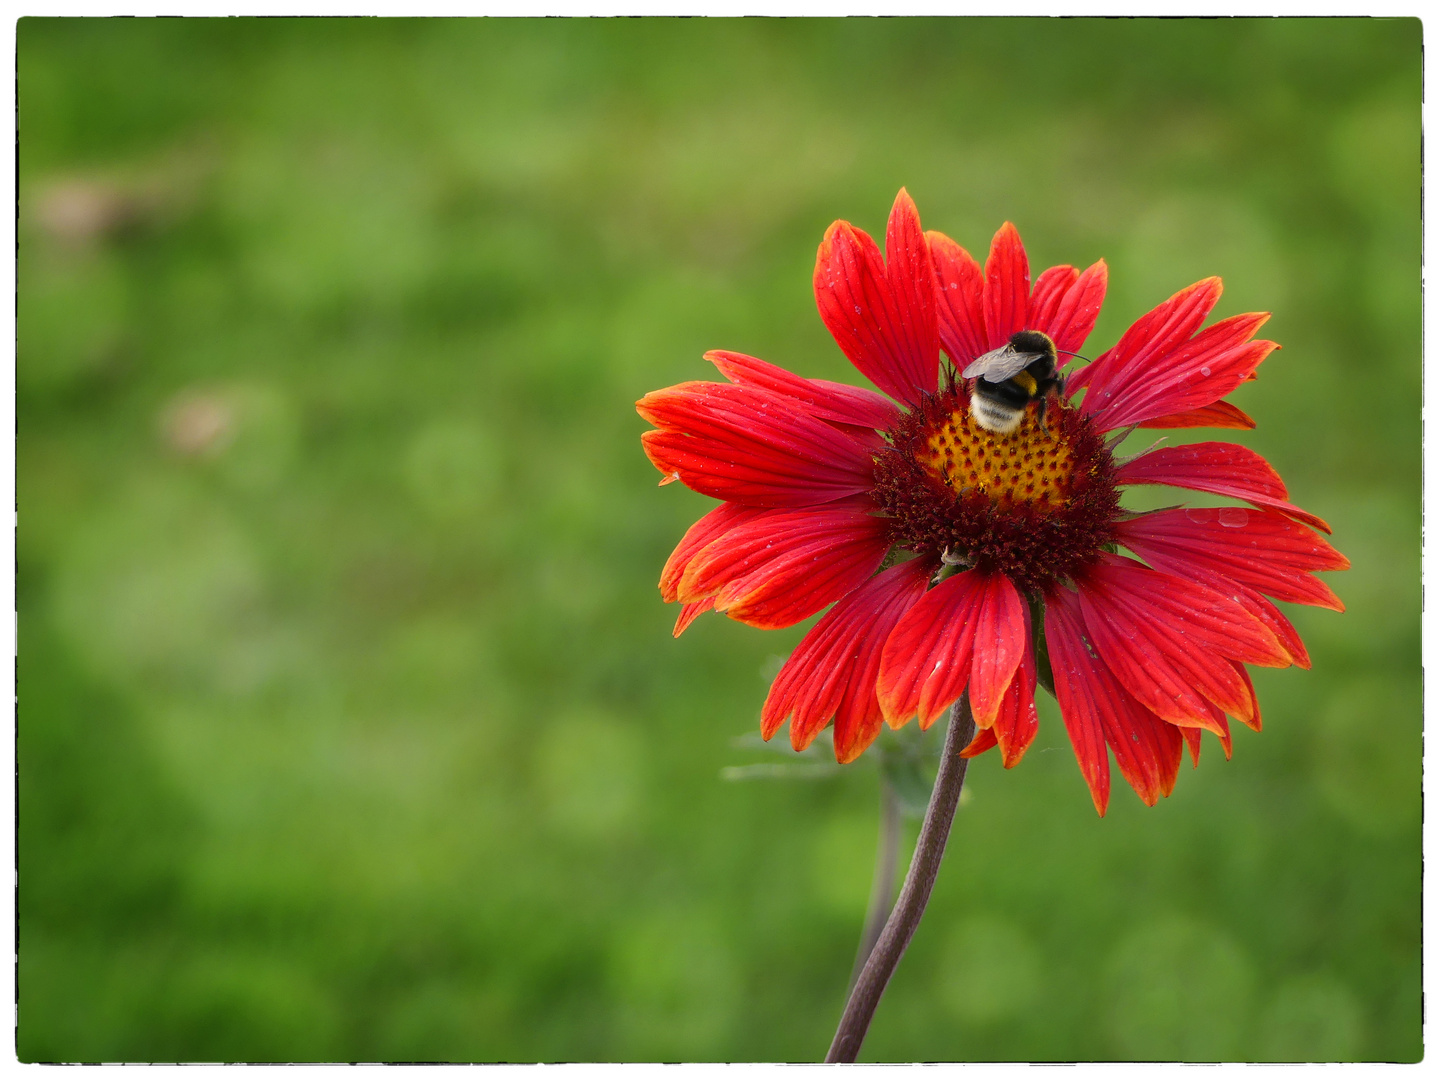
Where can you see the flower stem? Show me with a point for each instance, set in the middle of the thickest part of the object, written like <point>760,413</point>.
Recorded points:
<point>914,895</point>
<point>882,890</point>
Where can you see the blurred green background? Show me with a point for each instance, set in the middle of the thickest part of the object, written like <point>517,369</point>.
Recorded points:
<point>351,726</point>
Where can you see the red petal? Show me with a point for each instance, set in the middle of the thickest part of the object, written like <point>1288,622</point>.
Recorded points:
<point>1074,316</point>
<point>882,316</point>
<point>690,612</point>
<point>926,662</point>
<point>1192,740</point>
<point>984,740</point>
<point>1219,468</point>
<point>960,299</point>
<point>1203,616</point>
<point>1219,415</point>
<point>832,671</point>
<point>1175,683</point>
<point>1002,633</point>
<point>746,445</point>
<point>1007,287</point>
<point>1152,335</point>
<point>711,527</point>
<point>1261,549</point>
<point>867,437</point>
<point>912,277</point>
<point>1146,749</point>
<point>1148,752</point>
<point>824,399</point>
<point>1081,697</point>
<point>1168,641</point>
<point>1279,625</point>
<point>1253,603</point>
<point>1016,722</point>
<point>785,565</point>
<point>1247,598</point>
<point>1050,289</point>
<point>1224,737</point>
<point>1194,374</point>
<point>930,658</point>
<point>1253,721</point>
<point>1220,728</point>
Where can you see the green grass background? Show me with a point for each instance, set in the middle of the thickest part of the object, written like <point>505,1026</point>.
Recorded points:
<point>350,724</point>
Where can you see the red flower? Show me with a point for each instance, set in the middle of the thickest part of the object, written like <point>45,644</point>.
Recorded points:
<point>961,558</point>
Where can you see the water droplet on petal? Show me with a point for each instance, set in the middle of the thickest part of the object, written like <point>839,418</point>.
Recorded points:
<point>857,309</point>
<point>1197,515</point>
<point>1204,371</point>
<point>1234,517</point>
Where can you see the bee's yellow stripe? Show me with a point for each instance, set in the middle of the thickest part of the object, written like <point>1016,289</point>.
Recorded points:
<point>1026,380</point>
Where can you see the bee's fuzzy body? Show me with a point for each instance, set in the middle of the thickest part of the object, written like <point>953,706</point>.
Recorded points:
<point>1001,417</point>
<point>1007,379</point>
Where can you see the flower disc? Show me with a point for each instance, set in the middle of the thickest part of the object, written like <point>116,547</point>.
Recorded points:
<point>1037,504</point>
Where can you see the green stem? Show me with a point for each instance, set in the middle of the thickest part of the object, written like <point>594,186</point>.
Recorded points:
<point>914,895</point>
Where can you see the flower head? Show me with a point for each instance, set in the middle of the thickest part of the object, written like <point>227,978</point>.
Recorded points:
<point>965,555</point>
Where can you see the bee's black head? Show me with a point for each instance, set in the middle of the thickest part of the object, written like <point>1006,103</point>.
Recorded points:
<point>1033,341</point>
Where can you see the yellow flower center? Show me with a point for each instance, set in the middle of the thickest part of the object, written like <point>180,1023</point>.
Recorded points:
<point>1029,465</point>
<point>1036,505</point>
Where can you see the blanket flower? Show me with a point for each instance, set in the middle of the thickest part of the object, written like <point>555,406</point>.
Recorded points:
<point>955,558</point>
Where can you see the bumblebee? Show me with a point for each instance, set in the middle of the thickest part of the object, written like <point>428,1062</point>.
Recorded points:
<point>1007,379</point>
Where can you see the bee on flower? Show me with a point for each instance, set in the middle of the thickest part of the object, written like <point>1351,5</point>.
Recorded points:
<point>966,524</point>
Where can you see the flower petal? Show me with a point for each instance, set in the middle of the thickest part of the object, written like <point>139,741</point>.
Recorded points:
<point>1253,603</point>
<point>882,314</point>
<point>1220,414</point>
<point>1016,721</point>
<point>1253,723</point>
<point>1191,375</point>
<point>1270,615</point>
<point>1152,335</point>
<point>1002,632</point>
<point>711,527</point>
<point>1261,549</point>
<point>1192,740</point>
<point>1007,287</point>
<point>959,299</point>
<point>1169,641</point>
<point>751,446</point>
<point>1176,685</point>
<point>1224,738</point>
<point>785,565</point>
<point>1219,468</point>
<point>1050,288</point>
<point>1083,699</point>
<point>824,399</point>
<point>1205,617</point>
<point>832,671</point>
<point>1247,598</point>
<point>912,277</point>
<point>984,740</point>
<point>1146,749</point>
<point>926,661</point>
<point>930,659</point>
<point>690,612</point>
<point>1078,309</point>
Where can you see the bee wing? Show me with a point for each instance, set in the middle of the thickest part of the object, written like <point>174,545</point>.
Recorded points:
<point>1000,364</point>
